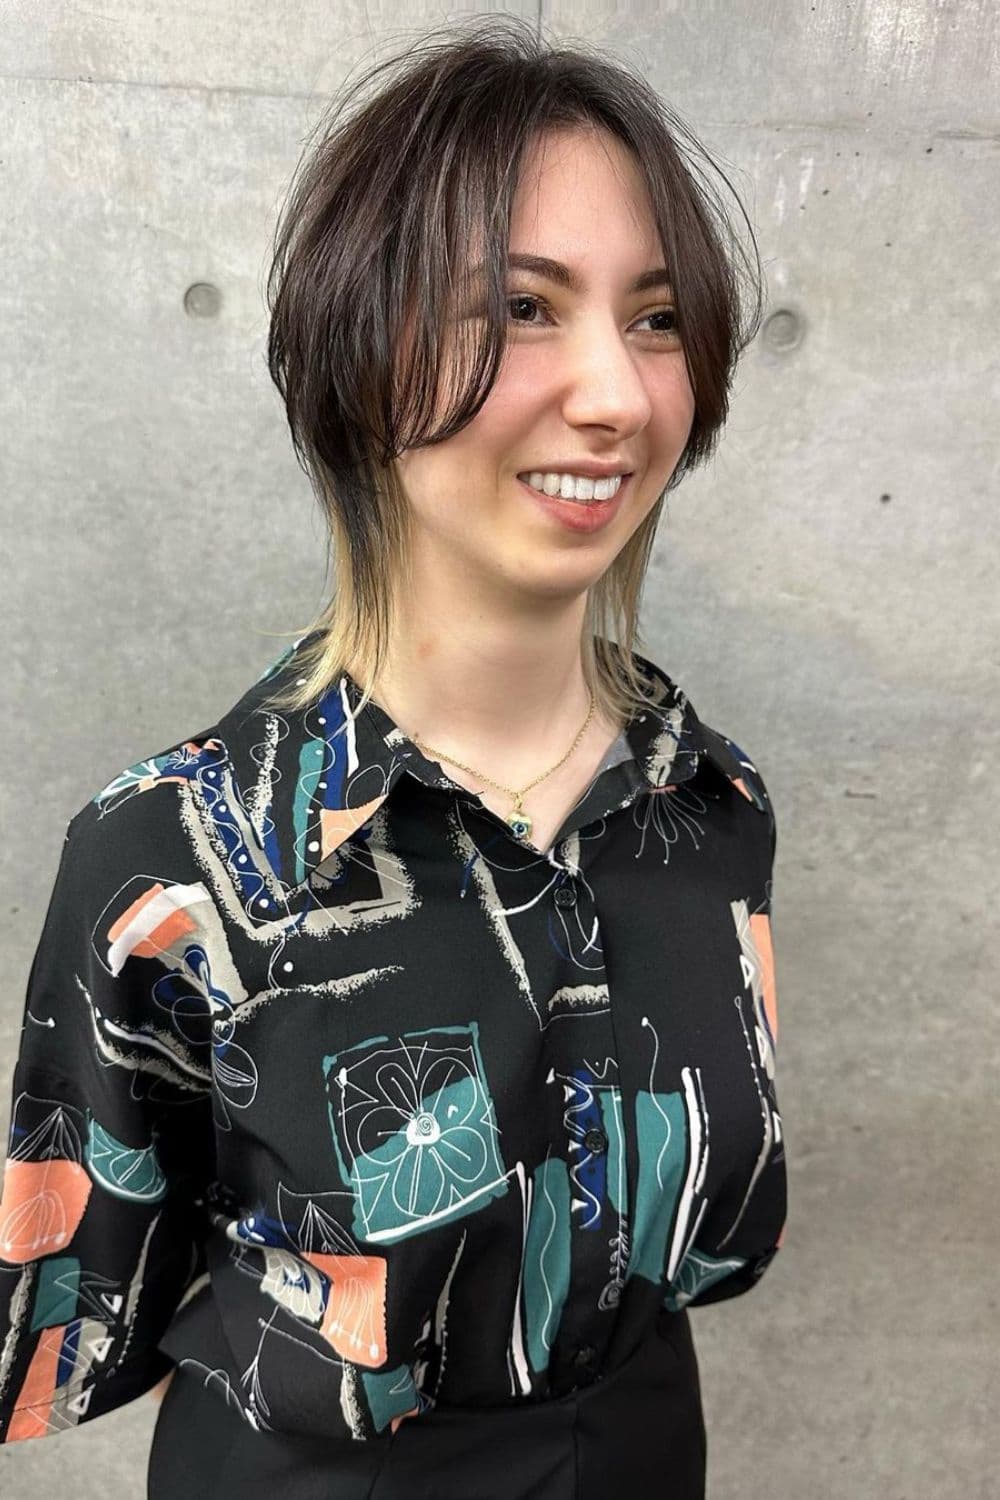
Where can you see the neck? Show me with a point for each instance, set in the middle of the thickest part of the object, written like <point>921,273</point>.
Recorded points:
<point>504,693</point>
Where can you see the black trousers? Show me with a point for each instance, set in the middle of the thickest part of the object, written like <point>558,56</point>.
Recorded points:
<point>639,1433</point>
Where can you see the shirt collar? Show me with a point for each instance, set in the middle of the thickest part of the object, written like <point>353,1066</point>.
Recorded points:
<point>310,778</point>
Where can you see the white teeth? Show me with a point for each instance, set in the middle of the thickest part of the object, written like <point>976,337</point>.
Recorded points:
<point>573,486</point>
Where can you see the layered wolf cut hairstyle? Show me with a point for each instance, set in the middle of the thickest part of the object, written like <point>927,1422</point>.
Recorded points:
<point>411,169</point>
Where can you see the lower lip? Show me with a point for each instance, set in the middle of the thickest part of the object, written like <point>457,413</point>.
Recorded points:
<point>579,515</point>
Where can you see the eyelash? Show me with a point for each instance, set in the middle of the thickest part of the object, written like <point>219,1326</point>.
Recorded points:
<point>663,333</point>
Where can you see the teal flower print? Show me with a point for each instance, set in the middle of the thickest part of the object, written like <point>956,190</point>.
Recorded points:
<point>415,1130</point>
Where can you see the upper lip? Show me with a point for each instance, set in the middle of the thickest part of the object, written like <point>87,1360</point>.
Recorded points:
<point>591,467</point>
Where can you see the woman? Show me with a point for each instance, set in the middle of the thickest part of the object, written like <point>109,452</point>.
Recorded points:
<point>398,1056</point>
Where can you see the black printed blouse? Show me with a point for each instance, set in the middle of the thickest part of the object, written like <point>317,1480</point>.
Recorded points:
<point>325,1067</point>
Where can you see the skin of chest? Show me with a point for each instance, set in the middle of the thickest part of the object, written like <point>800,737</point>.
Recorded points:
<point>550,802</point>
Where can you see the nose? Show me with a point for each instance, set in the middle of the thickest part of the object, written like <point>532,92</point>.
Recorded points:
<point>603,383</point>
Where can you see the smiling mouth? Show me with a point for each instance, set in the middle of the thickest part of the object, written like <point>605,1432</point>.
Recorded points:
<point>601,490</point>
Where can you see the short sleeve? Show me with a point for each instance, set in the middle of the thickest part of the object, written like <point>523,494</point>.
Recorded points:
<point>110,1142</point>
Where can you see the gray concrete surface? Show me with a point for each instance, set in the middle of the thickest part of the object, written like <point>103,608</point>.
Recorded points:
<point>826,593</point>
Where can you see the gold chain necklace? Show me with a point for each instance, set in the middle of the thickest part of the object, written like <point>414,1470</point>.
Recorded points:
<point>517,818</point>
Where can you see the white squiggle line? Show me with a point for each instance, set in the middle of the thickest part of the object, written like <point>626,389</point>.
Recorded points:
<point>515,911</point>
<point>592,941</point>
<point>656,1049</point>
<point>664,1149</point>
<point>549,1316</point>
<point>232,1399</point>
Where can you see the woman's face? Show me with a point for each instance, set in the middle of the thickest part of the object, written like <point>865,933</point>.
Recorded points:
<point>591,373</point>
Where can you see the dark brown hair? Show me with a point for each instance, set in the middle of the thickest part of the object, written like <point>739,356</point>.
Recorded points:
<point>372,253</point>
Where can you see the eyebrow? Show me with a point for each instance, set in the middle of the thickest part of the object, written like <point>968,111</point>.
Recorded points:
<point>554,270</point>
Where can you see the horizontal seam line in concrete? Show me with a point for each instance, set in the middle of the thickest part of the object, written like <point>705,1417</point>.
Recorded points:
<point>143,83</point>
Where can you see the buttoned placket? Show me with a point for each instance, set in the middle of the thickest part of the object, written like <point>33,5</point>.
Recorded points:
<point>596,1273</point>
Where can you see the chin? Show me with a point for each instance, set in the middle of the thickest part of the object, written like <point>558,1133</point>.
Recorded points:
<point>562,579</point>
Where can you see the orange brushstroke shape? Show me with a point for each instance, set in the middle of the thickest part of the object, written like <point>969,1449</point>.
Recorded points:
<point>166,932</point>
<point>354,1317</point>
<point>41,1207</point>
<point>760,930</point>
<point>38,1393</point>
<point>338,823</point>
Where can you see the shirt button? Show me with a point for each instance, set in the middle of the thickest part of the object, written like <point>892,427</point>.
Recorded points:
<point>565,895</point>
<point>585,1357</point>
<point>595,1140</point>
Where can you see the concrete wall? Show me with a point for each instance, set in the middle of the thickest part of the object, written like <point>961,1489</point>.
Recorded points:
<point>158,531</point>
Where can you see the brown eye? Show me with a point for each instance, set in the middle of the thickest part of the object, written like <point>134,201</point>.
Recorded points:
<point>525,301</point>
<point>664,312</point>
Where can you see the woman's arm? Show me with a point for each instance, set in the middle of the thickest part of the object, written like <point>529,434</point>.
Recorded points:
<point>110,1147</point>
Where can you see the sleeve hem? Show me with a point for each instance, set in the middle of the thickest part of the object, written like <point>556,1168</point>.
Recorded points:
<point>109,1391</point>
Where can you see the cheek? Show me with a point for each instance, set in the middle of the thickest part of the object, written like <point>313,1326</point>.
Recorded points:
<point>445,488</point>
<point>674,405</point>
<point>501,428</point>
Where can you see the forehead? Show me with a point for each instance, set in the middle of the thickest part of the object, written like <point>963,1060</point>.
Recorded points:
<point>581,198</point>
<point>582,166</point>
